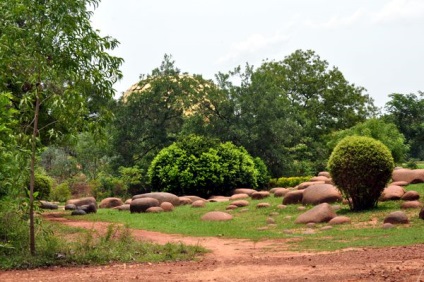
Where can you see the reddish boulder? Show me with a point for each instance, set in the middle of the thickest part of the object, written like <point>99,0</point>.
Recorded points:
<point>324,173</point>
<point>167,206</point>
<point>111,202</point>
<point>320,213</point>
<point>185,201</point>
<point>124,207</point>
<point>339,220</point>
<point>305,185</point>
<point>280,192</point>
<point>82,201</point>
<point>154,210</point>
<point>410,196</point>
<point>293,197</point>
<point>217,216</point>
<point>259,195</point>
<point>392,193</point>
<point>263,205</point>
<point>411,205</point>
<point>321,193</point>
<point>198,204</point>
<point>247,191</point>
<point>240,203</point>
<point>408,175</point>
<point>238,197</point>
<point>142,204</point>
<point>194,198</point>
<point>161,197</point>
<point>397,217</point>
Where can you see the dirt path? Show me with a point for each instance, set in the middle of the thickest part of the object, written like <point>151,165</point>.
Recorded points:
<point>243,260</point>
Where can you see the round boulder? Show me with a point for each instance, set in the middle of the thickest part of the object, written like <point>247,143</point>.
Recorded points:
<point>48,205</point>
<point>70,207</point>
<point>397,217</point>
<point>410,176</point>
<point>321,193</point>
<point>239,196</point>
<point>421,214</point>
<point>324,173</point>
<point>263,205</point>
<point>410,196</point>
<point>217,216</point>
<point>392,193</point>
<point>185,201</point>
<point>320,213</point>
<point>90,208</point>
<point>411,205</point>
<point>240,203</point>
<point>111,202</point>
<point>194,198</point>
<point>161,197</point>
<point>293,197</point>
<point>198,204</point>
<point>247,191</point>
<point>280,192</point>
<point>78,212</point>
<point>82,201</point>
<point>259,195</point>
<point>167,206</point>
<point>154,210</point>
<point>142,204</point>
<point>339,220</point>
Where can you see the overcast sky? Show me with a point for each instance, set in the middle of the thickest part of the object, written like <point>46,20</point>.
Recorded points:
<point>376,44</point>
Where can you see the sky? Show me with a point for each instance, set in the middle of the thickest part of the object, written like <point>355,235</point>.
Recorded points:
<point>378,44</point>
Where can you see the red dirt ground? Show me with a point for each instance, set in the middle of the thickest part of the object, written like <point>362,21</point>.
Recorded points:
<point>242,260</point>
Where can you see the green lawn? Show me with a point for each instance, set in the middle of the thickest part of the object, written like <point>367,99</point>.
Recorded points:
<point>365,230</point>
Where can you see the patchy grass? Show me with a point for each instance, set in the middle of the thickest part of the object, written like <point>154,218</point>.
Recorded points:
<point>251,223</point>
<point>68,246</point>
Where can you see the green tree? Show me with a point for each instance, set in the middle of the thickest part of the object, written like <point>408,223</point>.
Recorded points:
<point>407,112</point>
<point>361,167</point>
<point>153,113</point>
<point>380,130</point>
<point>57,69</point>
<point>281,110</point>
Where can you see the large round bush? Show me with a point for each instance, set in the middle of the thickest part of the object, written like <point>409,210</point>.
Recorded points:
<point>360,168</point>
<point>203,167</point>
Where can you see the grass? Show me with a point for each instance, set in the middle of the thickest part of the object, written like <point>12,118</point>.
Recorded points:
<point>251,223</point>
<point>61,245</point>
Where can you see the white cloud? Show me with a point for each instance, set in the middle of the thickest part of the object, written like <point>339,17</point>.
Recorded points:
<point>400,10</point>
<point>254,43</point>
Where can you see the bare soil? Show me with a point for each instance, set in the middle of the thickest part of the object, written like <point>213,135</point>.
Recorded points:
<point>242,260</point>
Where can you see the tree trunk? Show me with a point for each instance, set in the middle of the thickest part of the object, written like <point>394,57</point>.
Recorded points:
<point>32,177</point>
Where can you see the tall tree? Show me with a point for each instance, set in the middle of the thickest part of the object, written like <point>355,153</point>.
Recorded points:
<point>58,70</point>
<point>407,112</point>
<point>281,110</point>
<point>152,114</point>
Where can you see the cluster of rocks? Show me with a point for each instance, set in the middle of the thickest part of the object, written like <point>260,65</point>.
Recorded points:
<point>318,192</point>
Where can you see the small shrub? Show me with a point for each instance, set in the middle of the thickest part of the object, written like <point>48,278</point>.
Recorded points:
<point>42,185</point>
<point>61,192</point>
<point>288,181</point>
<point>204,167</point>
<point>360,168</point>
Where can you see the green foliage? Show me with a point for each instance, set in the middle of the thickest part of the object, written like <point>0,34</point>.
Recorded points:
<point>407,112</point>
<point>154,114</point>
<point>132,177</point>
<point>61,192</point>
<point>43,185</point>
<point>58,163</point>
<point>263,176</point>
<point>380,130</point>
<point>200,166</point>
<point>281,110</point>
<point>288,181</point>
<point>361,167</point>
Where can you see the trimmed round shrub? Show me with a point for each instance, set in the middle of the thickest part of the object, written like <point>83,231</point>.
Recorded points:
<point>204,167</point>
<point>361,167</point>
